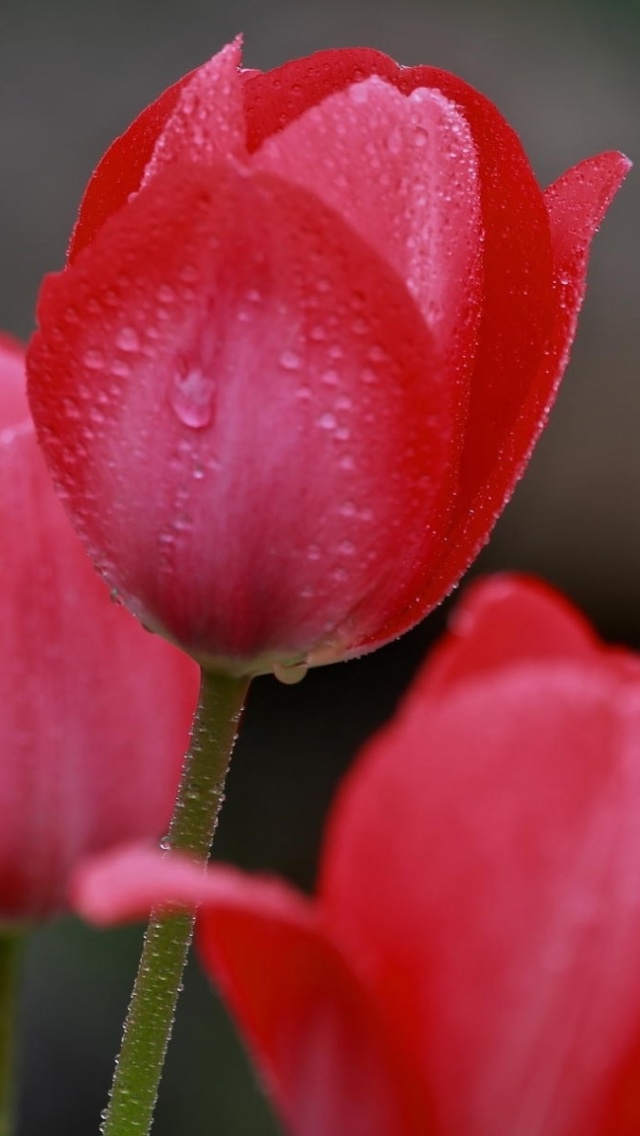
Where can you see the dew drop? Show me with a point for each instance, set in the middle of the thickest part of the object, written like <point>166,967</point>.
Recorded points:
<point>290,361</point>
<point>377,354</point>
<point>327,421</point>
<point>128,339</point>
<point>359,93</point>
<point>346,547</point>
<point>330,378</point>
<point>166,294</point>
<point>313,552</point>
<point>192,398</point>
<point>348,509</point>
<point>94,360</point>
<point>290,673</point>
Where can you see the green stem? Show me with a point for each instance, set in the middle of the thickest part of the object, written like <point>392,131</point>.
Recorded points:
<point>152,1008</point>
<point>10,953</point>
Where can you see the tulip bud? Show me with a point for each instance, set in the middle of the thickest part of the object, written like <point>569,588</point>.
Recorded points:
<point>310,327</point>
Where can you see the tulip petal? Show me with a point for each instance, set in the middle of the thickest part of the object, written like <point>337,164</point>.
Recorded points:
<point>130,880</point>
<point>517,313</point>
<point>577,203</point>
<point>207,122</point>
<point>80,684</point>
<point>273,99</point>
<point>313,1031</point>
<point>120,171</point>
<point>483,871</point>
<point>253,286</point>
<point>500,619</point>
<point>310,1026</point>
<point>402,173</point>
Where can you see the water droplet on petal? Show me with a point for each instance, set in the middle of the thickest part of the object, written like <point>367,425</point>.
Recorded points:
<point>346,547</point>
<point>327,421</point>
<point>94,360</point>
<point>192,397</point>
<point>359,93</point>
<point>128,339</point>
<point>289,360</point>
<point>290,673</point>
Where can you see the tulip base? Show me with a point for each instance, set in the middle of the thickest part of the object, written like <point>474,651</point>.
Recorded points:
<point>151,1012</point>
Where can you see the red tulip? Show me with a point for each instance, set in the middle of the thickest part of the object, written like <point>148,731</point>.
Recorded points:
<point>94,712</point>
<point>470,963</point>
<point>310,327</point>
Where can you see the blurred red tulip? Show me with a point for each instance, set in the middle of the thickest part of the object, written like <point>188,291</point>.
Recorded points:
<point>310,327</point>
<point>94,711</point>
<point>470,964</point>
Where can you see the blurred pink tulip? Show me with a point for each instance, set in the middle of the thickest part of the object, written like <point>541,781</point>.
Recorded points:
<point>470,962</point>
<point>95,712</point>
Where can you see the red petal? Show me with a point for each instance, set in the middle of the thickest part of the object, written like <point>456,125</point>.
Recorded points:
<point>79,680</point>
<point>315,1036</point>
<point>275,98</point>
<point>180,120</point>
<point>253,286</point>
<point>577,203</point>
<point>120,171</point>
<point>483,870</point>
<point>207,122</point>
<point>504,619</point>
<point>308,1022</point>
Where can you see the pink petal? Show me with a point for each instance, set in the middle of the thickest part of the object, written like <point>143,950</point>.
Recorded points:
<point>206,124</point>
<point>482,870</point>
<point>129,881</point>
<point>501,620</point>
<point>315,1037</point>
<point>253,287</point>
<point>275,98</point>
<point>516,315</point>
<point>402,173</point>
<point>95,712</point>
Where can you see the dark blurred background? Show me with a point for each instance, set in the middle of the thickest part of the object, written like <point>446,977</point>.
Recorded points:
<point>73,74</point>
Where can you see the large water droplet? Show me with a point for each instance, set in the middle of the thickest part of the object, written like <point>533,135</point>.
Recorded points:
<point>192,396</point>
<point>290,673</point>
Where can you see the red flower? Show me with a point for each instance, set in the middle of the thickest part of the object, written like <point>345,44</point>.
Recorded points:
<point>94,712</point>
<point>470,964</point>
<point>310,328</point>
